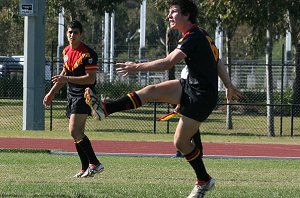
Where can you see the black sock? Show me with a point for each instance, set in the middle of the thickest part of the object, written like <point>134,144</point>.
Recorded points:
<point>83,157</point>
<point>130,101</point>
<point>197,141</point>
<point>195,160</point>
<point>86,146</point>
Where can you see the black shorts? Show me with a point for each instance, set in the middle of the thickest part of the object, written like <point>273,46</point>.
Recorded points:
<point>197,107</point>
<point>77,105</point>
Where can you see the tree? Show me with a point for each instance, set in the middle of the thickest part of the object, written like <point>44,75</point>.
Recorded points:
<point>226,15</point>
<point>265,16</point>
<point>12,26</point>
<point>89,12</point>
<point>171,36</point>
<point>292,13</point>
<point>156,30</point>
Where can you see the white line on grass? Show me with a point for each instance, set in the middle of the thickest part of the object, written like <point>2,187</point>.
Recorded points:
<point>171,155</point>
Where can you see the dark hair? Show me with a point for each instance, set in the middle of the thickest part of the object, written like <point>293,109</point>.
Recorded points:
<point>186,7</point>
<point>76,24</point>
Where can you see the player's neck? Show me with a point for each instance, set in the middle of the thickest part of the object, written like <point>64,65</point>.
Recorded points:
<point>187,27</point>
<point>75,45</point>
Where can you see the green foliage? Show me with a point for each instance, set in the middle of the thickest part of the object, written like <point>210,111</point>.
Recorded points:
<point>11,28</point>
<point>104,5</point>
<point>255,100</point>
<point>257,97</point>
<point>254,97</point>
<point>161,5</point>
<point>255,16</point>
<point>287,96</point>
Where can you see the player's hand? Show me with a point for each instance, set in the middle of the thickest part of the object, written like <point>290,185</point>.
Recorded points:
<point>126,68</point>
<point>47,100</point>
<point>233,94</point>
<point>177,109</point>
<point>59,79</point>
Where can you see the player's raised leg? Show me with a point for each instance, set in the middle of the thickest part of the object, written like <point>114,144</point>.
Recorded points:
<point>96,104</point>
<point>169,91</point>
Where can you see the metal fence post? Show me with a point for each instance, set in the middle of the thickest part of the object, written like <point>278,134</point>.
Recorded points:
<point>154,127</point>
<point>51,69</point>
<point>292,120</point>
<point>281,88</point>
<point>168,122</point>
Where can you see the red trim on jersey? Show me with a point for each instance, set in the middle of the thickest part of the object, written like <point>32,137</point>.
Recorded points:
<point>188,32</point>
<point>74,57</point>
<point>91,67</point>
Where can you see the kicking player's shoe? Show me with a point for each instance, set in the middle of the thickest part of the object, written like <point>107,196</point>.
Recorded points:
<point>200,190</point>
<point>79,174</point>
<point>92,170</point>
<point>178,154</point>
<point>97,106</point>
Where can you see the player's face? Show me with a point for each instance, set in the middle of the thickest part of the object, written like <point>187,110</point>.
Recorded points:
<point>176,19</point>
<point>74,36</point>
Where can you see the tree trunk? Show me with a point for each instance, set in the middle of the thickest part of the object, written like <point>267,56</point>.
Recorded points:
<point>296,85</point>
<point>294,29</point>
<point>269,78</point>
<point>229,124</point>
<point>171,43</point>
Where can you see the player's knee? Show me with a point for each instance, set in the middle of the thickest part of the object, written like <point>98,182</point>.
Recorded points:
<point>76,134</point>
<point>148,93</point>
<point>179,144</point>
<point>150,89</point>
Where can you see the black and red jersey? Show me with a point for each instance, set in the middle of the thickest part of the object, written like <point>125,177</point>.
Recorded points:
<point>76,63</point>
<point>201,58</point>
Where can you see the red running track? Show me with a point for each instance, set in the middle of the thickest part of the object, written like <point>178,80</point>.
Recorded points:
<point>134,147</point>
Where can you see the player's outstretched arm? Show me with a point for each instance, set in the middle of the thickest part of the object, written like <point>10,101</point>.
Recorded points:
<point>157,65</point>
<point>232,93</point>
<point>57,86</point>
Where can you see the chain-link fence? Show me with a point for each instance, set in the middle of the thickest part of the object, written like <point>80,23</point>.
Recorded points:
<point>248,117</point>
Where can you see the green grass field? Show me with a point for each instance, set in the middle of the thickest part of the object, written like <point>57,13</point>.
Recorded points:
<point>45,175</point>
<point>26,174</point>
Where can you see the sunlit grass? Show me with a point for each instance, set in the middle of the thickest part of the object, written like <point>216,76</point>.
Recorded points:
<point>44,175</point>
